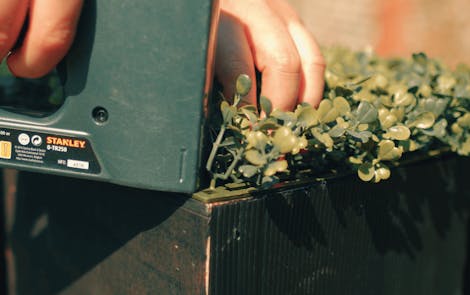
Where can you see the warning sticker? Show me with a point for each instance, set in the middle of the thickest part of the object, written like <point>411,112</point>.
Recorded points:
<point>5,150</point>
<point>48,150</point>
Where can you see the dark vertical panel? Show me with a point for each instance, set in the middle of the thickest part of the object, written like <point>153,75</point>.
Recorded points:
<point>402,236</point>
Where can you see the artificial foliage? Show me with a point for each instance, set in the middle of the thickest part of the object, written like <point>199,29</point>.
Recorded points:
<point>374,111</point>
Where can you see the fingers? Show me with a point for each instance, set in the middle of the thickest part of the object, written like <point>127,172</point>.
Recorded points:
<point>274,53</point>
<point>312,61</point>
<point>233,56</point>
<point>283,50</point>
<point>52,25</point>
<point>12,16</point>
<point>313,65</point>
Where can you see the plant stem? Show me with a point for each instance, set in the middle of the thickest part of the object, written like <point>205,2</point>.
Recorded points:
<point>215,147</point>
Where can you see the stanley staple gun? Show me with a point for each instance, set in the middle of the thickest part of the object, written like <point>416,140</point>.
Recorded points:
<point>135,84</point>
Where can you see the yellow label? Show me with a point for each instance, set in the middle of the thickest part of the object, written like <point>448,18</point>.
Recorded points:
<point>5,149</point>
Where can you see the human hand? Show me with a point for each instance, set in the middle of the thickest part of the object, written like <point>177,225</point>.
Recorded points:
<point>49,34</point>
<point>269,34</point>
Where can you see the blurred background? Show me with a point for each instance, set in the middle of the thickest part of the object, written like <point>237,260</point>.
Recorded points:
<point>441,29</point>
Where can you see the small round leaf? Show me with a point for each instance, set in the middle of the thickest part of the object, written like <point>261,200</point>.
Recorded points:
<point>251,116</point>
<point>464,121</point>
<point>255,157</point>
<point>366,112</point>
<point>341,105</point>
<point>256,139</point>
<point>386,118</point>
<point>307,115</point>
<point>268,124</point>
<point>383,172</point>
<point>243,85</point>
<point>248,170</point>
<point>336,131</point>
<point>287,118</point>
<point>265,105</point>
<point>424,120</point>
<point>404,99</point>
<point>274,167</point>
<point>366,171</point>
<point>398,132</point>
<point>388,151</point>
<point>284,140</point>
<point>326,112</point>
<point>228,111</point>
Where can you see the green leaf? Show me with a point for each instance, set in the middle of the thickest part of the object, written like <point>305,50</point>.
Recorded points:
<point>243,85</point>
<point>424,120</point>
<point>249,107</point>
<point>265,105</point>
<point>244,123</point>
<point>248,170</point>
<point>366,113</point>
<point>268,124</point>
<point>326,112</point>
<point>256,139</point>
<point>284,140</point>
<point>438,130</point>
<point>249,115</point>
<point>398,132</point>
<point>445,83</point>
<point>228,111</point>
<point>362,127</point>
<point>434,105</point>
<point>425,90</point>
<point>276,166</point>
<point>382,172</point>
<point>386,118</point>
<point>388,151</point>
<point>363,136</point>
<point>380,81</point>
<point>464,148</point>
<point>366,171</point>
<point>464,121</point>
<point>255,157</point>
<point>307,116</point>
<point>337,131</point>
<point>341,105</point>
<point>288,118</point>
<point>324,138</point>
<point>403,99</point>
<point>355,160</point>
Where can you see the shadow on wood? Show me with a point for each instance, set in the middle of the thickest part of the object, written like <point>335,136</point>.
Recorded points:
<point>402,236</point>
<point>111,239</point>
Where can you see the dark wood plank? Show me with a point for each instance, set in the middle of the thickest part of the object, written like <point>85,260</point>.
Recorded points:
<point>98,238</point>
<point>403,236</point>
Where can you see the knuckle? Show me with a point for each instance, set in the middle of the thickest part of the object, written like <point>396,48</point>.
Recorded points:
<point>316,62</point>
<point>4,37</point>
<point>5,40</point>
<point>286,62</point>
<point>57,38</point>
